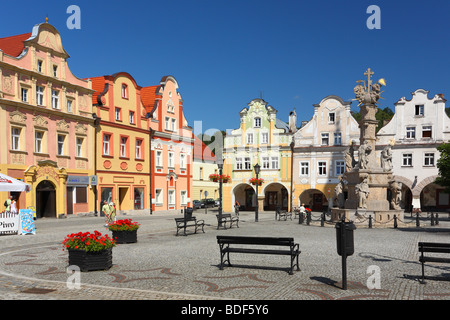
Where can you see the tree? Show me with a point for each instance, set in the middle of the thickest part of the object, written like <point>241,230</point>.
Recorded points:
<point>443,165</point>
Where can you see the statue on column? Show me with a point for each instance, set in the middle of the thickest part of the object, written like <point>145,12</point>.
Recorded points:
<point>363,154</point>
<point>339,193</point>
<point>396,190</point>
<point>349,157</point>
<point>362,192</point>
<point>386,158</point>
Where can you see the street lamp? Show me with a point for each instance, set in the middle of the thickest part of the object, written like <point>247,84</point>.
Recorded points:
<point>220,166</point>
<point>257,167</point>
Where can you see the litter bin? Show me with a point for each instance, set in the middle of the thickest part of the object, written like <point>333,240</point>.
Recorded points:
<point>188,212</point>
<point>344,237</point>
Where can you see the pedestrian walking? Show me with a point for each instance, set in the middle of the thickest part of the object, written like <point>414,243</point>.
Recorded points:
<point>8,204</point>
<point>236,208</point>
<point>13,206</point>
<point>112,215</point>
<point>106,209</point>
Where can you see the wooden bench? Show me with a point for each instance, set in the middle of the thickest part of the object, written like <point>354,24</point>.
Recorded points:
<point>283,214</point>
<point>228,244</point>
<point>226,217</point>
<point>434,248</point>
<point>183,223</point>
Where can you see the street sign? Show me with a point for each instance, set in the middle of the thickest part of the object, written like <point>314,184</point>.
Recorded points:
<point>93,180</point>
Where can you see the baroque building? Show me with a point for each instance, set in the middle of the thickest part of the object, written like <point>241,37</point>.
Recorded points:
<point>262,139</point>
<point>319,152</point>
<point>417,128</point>
<point>46,113</point>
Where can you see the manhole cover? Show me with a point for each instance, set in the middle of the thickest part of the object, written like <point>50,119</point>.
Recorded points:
<point>38,290</point>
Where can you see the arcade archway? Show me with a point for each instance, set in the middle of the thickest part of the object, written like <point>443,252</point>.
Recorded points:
<point>45,199</point>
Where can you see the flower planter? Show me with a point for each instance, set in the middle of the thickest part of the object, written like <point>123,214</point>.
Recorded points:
<point>125,236</point>
<point>91,260</point>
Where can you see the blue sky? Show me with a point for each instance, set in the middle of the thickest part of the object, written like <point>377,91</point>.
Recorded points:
<point>225,52</point>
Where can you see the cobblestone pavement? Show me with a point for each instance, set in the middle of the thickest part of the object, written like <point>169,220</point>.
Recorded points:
<point>162,266</point>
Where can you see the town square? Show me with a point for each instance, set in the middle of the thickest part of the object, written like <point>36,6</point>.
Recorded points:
<point>205,157</point>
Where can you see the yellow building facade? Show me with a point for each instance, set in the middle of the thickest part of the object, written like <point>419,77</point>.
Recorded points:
<point>122,143</point>
<point>261,139</point>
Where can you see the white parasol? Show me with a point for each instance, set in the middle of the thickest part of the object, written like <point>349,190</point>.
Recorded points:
<point>10,184</point>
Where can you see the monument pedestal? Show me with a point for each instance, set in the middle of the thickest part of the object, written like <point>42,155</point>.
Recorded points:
<point>380,219</point>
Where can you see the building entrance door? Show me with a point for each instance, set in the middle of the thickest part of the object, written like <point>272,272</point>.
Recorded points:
<point>45,200</point>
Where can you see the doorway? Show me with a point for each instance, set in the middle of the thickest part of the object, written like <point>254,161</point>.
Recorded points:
<point>123,200</point>
<point>45,200</point>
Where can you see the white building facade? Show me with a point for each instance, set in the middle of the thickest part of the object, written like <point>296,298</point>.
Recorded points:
<point>417,128</point>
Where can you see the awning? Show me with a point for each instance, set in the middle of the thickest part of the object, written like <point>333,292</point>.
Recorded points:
<point>8,183</point>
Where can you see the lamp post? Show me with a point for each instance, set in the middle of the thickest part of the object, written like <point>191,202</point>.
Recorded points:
<point>257,167</point>
<point>220,166</point>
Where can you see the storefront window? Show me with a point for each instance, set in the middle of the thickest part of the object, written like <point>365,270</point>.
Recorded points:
<point>138,198</point>
<point>106,195</point>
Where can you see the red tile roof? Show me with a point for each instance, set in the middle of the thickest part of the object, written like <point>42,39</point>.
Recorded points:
<point>98,84</point>
<point>202,152</point>
<point>148,97</point>
<point>13,45</point>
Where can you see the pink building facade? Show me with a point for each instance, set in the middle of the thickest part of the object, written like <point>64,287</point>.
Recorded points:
<point>47,115</point>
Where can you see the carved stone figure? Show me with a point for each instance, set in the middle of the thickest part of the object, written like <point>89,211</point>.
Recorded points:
<point>396,189</point>
<point>363,154</point>
<point>349,157</point>
<point>386,158</point>
<point>339,193</point>
<point>362,191</point>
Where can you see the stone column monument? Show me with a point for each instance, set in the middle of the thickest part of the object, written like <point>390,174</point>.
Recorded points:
<point>367,181</point>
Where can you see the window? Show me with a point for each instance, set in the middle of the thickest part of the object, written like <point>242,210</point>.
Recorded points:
<point>159,158</point>
<point>257,123</point>
<point>81,195</point>
<point>171,197</point>
<point>173,123</point>
<point>15,138</point>
<point>61,139</point>
<point>428,159</point>
<point>407,159</point>
<point>265,138</point>
<point>171,160</point>
<point>170,107</point>
<point>340,167</point>
<point>410,132</point>
<point>274,162</point>
<point>304,168</point>
<point>55,99</point>
<point>265,163</point>
<point>38,135</point>
<point>79,147</point>
<point>247,164</point>
<point>69,105</point>
<point>55,71</point>
<point>138,149</point>
<point>158,196</point>
<point>167,123</point>
<point>24,94</point>
<point>325,139</point>
<point>238,163</point>
<point>182,161</point>
<point>106,140</point>
<point>40,96</point>
<point>249,138</point>
<point>420,110</point>
<point>183,197</point>
<point>118,114</point>
<point>427,131</point>
<point>331,117</point>
<point>138,198</point>
<point>123,147</point>
<point>322,168</point>
<point>124,91</point>
<point>337,138</point>
<point>132,117</point>
<point>39,65</point>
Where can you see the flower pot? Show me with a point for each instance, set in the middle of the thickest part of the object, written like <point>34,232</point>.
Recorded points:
<point>125,236</point>
<point>91,260</point>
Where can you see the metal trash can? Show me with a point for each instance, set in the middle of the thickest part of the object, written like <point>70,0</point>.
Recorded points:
<point>344,237</point>
<point>188,212</point>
